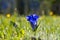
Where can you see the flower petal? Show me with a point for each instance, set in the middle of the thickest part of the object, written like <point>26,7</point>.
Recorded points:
<point>28,18</point>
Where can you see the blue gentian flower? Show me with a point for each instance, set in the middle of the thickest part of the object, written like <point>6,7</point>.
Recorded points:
<point>33,20</point>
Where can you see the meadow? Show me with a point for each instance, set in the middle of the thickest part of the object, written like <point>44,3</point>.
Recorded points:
<point>49,28</point>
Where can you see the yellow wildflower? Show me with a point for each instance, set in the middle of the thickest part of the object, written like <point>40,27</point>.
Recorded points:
<point>22,32</point>
<point>8,15</point>
<point>51,13</point>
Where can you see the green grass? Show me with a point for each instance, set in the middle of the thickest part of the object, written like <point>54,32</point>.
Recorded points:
<point>49,28</point>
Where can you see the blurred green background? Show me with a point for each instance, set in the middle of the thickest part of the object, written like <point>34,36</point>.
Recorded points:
<point>49,28</point>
